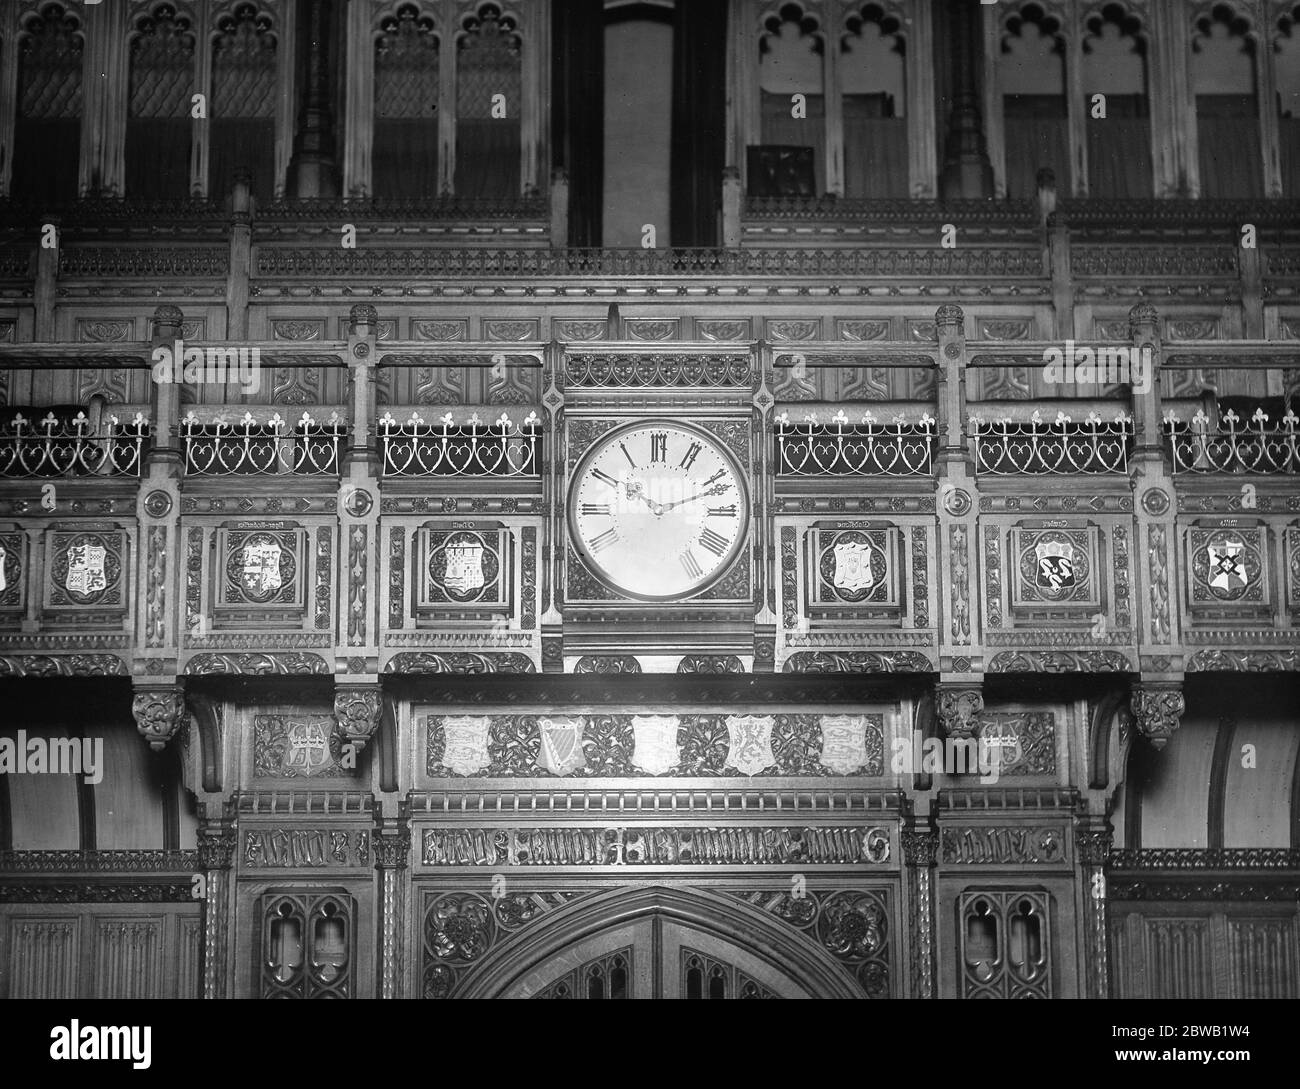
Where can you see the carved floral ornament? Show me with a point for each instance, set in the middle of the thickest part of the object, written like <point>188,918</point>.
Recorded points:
<point>159,714</point>
<point>1157,712</point>
<point>356,709</point>
<point>959,710</point>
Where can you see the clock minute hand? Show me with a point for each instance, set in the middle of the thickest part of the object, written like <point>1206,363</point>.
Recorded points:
<point>716,490</point>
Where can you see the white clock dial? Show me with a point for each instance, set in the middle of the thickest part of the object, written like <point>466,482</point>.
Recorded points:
<point>658,511</point>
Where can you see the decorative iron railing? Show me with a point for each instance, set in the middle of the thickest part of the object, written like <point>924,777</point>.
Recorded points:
<point>472,448</point>
<point>1036,447</point>
<point>51,447</point>
<point>1196,447</point>
<point>839,448</point>
<point>249,447</point>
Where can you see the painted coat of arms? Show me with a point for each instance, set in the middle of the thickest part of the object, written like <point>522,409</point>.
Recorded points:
<point>844,742</point>
<point>1227,566</point>
<point>260,567</point>
<point>306,748</point>
<point>86,569</point>
<point>1056,565</point>
<point>561,750</point>
<point>464,567</point>
<point>465,748</point>
<point>750,748</point>
<point>852,566</point>
<point>656,742</point>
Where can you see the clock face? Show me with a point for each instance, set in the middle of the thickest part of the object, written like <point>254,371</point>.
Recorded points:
<point>658,511</point>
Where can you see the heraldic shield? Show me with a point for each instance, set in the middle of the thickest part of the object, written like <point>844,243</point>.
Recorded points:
<point>853,566</point>
<point>750,750</point>
<point>844,743</point>
<point>561,750</point>
<point>656,743</point>
<point>465,748</point>
<point>1227,572</point>
<point>86,569</point>
<point>307,748</point>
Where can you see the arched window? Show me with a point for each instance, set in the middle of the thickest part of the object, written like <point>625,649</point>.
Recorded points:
<point>158,117</point>
<point>404,155</point>
<point>489,97</point>
<point>1119,123</point>
<point>47,129</point>
<point>1286,66</point>
<point>1227,106</point>
<point>791,62</point>
<point>872,95</point>
<point>242,125</point>
<point>1034,104</point>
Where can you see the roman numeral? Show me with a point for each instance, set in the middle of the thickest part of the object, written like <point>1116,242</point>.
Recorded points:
<point>658,445</point>
<point>691,455</point>
<point>722,512</point>
<point>623,447</point>
<point>714,542</point>
<point>606,538</point>
<point>596,508</point>
<point>604,478</point>
<point>692,568</point>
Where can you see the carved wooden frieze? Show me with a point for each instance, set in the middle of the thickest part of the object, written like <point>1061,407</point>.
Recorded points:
<point>305,746</point>
<point>1291,564</point>
<point>668,845</point>
<point>624,745</point>
<point>87,574</point>
<point>1004,845</point>
<point>304,848</point>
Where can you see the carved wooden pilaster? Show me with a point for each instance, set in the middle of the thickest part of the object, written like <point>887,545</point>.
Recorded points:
<point>967,173</point>
<point>959,708</point>
<point>159,711</point>
<point>920,850</point>
<point>392,848</point>
<point>356,710</point>
<point>1157,711</point>
<point>1093,842</point>
<point>312,169</point>
<point>217,841</point>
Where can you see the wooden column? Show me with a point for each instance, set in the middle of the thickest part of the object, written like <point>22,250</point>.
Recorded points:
<point>967,174</point>
<point>312,171</point>
<point>392,847</point>
<point>217,844</point>
<point>920,850</point>
<point>8,90</point>
<point>922,140</point>
<point>104,101</point>
<point>359,103</point>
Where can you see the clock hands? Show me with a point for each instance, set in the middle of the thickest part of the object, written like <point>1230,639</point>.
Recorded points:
<point>717,489</point>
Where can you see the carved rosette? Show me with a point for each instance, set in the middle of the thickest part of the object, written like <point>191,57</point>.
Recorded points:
<point>356,710</point>
<point>159,714</point>
<point>1157,712</point>
<point>959,710</point>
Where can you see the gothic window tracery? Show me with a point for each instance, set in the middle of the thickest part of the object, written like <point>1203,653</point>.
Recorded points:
<point>47,130</point>
<point>404,153</point>
<point>873,103</point>
<point>162,53</point>
<point>1035,112</point>
<point>1119,125</point>
<point>242,125</point>
<point>489,93</point>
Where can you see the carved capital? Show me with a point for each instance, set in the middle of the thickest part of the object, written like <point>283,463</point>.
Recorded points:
<point>217,844</point>
<point>356,710</point>
<point>949,317</point>
<point>920,847</point>
<point>1157,711</point>
<point>959,709</point>
<point>159,713</point>
<point>1093,844</point>
<point>392,848</point>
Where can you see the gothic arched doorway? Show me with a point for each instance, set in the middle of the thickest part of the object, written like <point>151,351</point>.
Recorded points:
<point>660,942</point>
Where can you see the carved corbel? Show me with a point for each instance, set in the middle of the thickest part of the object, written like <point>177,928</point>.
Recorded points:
<point>1157,711</point>
<point>159,713</point>
<point>959,709</point>
<point>356,711</point>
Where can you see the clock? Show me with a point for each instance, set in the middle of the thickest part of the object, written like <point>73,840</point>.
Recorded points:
<point>658,510</point>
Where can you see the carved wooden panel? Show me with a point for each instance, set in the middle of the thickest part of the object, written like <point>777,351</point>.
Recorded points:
<point>260,573</point>
<point>129,956</point>
<point>43,956</point>
<point>88,573</point>
<point>464,573</point>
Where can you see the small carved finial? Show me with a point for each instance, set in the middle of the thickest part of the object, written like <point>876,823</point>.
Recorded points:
<point>959,710</point>
<point>362,318</point>
<point>1143,313</point>
<point>356,710</point>
<point>159,713</point>
<point>167,320</point>
<point>950,317</point>
<point>1157,712</point>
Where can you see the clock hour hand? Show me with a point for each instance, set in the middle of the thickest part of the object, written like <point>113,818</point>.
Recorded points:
<point>636,490</point>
